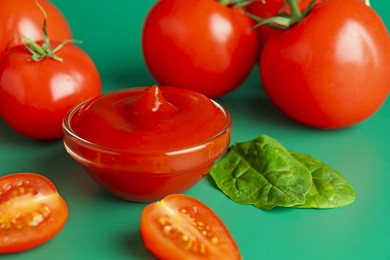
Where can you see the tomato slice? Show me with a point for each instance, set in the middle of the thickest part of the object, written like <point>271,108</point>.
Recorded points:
<point>181,227</point>
<point>31,211</point>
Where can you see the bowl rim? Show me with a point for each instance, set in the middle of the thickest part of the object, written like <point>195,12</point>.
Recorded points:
<point>66,125</point>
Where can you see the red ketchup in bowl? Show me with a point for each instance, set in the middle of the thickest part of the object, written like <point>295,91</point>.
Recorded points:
<point>147,142</point>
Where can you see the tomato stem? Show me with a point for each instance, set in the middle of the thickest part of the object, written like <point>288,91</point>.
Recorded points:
<point>284,20</point>
<point>295,11</point>
<point>44,51</point>
<point>244,3</point>
<point>237,3</point>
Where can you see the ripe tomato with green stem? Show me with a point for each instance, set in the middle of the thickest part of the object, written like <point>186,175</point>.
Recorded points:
<point>36,95</point>
<point>330,69</point>
<point>40,82</point>
<point>182,227</point>
<point>23,17</point>
<point>31,211</point>
<point>207,46</point>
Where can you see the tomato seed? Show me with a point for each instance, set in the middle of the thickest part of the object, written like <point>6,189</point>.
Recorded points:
<point>5,225</point>
<point>45,211</point>
<point>35,219</point>
<point>30,219</point>
<point>199,248</point>
<point>185,238</point>
<point>163,220</point>
<point>21,190</point>
<point>202,248</point>
<point>18,191</point>
<point>188,242</point>
<point>214,240</point>
<point>167,229</point>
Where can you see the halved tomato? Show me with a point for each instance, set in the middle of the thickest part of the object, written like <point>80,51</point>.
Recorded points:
<point>31,211</point>
<point>182,227</point>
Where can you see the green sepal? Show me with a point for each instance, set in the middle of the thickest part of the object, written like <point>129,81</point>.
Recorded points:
<point>44,51</point>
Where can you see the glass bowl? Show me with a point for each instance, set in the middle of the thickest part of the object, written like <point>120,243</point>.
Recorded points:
<point>145,175</point>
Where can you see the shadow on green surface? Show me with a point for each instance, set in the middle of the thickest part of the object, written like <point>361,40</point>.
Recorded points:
<point>134,244</point>
<point>257,109</point>
<point>8,136</point>
<point>124,77</point>
<point>48,158</point>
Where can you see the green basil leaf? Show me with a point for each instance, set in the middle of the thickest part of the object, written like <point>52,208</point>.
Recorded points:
<point>329,190</point>
<point>263,173</point>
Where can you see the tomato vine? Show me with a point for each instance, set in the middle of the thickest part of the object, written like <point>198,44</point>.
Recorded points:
<point>282,20</point>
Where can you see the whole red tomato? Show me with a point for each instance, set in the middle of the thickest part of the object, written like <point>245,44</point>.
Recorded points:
<point>330,70</point>
<point>23,17</point>
<point>36,95</point>
<point>201,45</point>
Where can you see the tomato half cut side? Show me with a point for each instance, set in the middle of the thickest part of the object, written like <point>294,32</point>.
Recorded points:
<point>31,211</point>
<point>182,227</point>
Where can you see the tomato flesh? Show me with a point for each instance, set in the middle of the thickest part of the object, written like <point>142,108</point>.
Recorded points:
<point>182,227</point>
<point>31,211</point>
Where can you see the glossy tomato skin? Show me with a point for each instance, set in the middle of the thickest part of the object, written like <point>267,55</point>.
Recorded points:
<point>35,96</point>
<point>201,45</point>
<point>331,70</point>
<point>182,227</point>
<point>31,211</point>
<point>23,17</point>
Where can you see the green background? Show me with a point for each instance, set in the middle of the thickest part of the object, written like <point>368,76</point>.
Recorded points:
<point>101,226</point>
